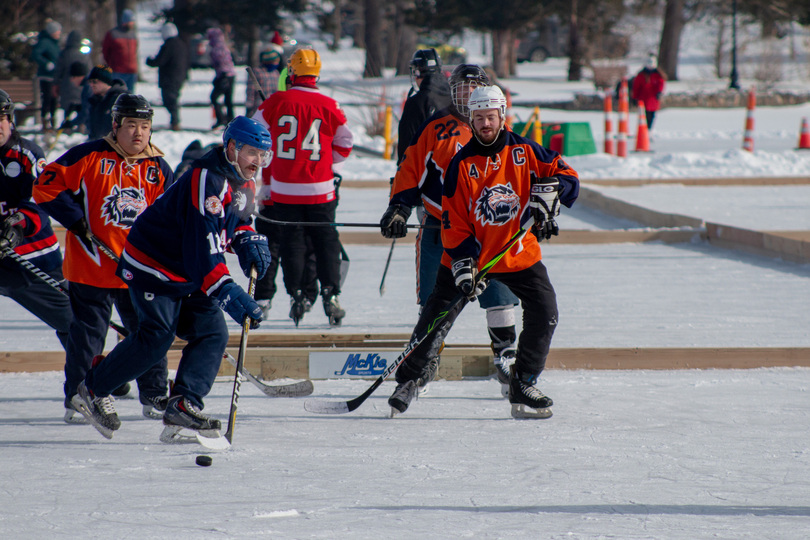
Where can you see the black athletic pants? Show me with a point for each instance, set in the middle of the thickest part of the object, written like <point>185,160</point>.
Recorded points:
<point>325,243</point>
<point>537,297</point>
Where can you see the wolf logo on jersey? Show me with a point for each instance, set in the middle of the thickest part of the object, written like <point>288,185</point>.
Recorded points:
<point>497,205</point>
<point>122,206</point>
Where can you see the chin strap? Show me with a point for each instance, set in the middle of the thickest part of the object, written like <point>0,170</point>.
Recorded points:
<point>235,164</point>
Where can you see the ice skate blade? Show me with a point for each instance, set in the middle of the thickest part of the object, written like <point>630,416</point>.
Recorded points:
<point>504,390</point>
<point>152,413</point>
<point>74,417</point>
<point>210,439</point>
<point>423,390</point>
<point>521,411</point>
<point>81,406</point>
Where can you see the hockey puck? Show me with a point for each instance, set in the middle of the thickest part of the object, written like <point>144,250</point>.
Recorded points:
<point>204,461</point>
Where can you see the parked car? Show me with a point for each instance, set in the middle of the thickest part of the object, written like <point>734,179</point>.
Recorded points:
<point>450,54</point>
<point>550,40</point>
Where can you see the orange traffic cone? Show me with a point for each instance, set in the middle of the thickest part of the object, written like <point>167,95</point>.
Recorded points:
<point>608,106</point>
<point>804,136</point>
<point>643,134</point>
<point>624,117</point>
<point>748,138</point>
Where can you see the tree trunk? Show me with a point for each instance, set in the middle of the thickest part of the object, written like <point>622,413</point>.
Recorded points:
<point>503,51</point>
<point>576,58</point>
<point>373,39</point>
<point>671,39</point>
<point>337,30</point>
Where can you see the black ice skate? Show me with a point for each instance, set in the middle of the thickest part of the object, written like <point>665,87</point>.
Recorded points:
<point>153,406</point>
<point>332,308</point>
<point>526,399</point>
<point>502,365</point>
<point>181,415</point>
<point>428,374</point>
<point>99,411</point>
<point>402,397</point>
<point>297,307</point>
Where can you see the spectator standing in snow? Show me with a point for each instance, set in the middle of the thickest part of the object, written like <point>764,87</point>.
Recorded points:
<point>120,50</point>
<point>45,54</point>
<point>71,65</point>
<point>105,91</point>
<point>222,62</point>
<point>172,64</point>
<point>648,85</point>
<point>267,73</point>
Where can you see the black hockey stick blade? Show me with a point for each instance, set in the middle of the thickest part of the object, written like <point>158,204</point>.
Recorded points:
<point>295,389</point>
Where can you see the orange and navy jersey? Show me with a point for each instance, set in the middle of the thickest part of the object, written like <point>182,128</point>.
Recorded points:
<point>177,247</point>
<point>95,182</point>
<point>309,136</point>
<point>20,162</point>
<point>421,173</point>
<point>486,199</point>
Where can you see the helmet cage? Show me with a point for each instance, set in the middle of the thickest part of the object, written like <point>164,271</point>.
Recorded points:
<point>465,79</point>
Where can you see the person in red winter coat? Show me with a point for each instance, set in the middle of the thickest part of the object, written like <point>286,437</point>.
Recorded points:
<point>648,85</point>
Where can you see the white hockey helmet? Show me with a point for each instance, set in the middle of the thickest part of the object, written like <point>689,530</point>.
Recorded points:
<point>487,97</point>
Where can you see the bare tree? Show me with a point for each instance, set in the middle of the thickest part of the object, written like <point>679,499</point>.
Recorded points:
<point>670,43</point>
<point>373,38</point>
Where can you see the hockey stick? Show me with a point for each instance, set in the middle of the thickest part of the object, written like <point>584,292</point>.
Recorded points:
<point>240,360</point>
<point>387,263</point>
<point>255,80</point>
<point>331,224</point>
<point>104,248</point>
<point>44,276</point>
<point>459,301</point>
<point>296,389</point>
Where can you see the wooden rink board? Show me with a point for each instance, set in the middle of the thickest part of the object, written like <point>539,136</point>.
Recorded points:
<point>286,355</point>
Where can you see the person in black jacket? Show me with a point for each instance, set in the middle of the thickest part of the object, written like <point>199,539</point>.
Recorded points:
<point>430,92</point>
<point>172,64</point>
<point>70,68</point>
<point>105,91</point>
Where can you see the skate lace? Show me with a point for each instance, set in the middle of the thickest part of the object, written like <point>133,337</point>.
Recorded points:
<point>531,391</point>
<point>105,405</point>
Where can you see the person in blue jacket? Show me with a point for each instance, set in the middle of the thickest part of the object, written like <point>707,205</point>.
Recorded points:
<point>174,264</point>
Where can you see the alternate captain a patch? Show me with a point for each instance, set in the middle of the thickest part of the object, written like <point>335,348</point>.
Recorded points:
<point>122,206</point>
<point>497,205</point>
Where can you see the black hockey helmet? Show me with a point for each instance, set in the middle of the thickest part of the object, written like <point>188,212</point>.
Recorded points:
<point>6,105</point>
<point>131,106</point>
<point>464,79</point>
<point>425,61</point>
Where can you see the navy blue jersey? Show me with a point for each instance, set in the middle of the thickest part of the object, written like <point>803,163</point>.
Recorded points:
<point>21,161</point>
<point>177,245</point>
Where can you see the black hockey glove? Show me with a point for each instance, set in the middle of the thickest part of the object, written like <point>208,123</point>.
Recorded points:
<point>238,304</point>
<point>11,231</point>
<point>394,221</point>
<point>544,202</point>
<point>252,248</point>
<point>82,233</point>
<point>464,271</point>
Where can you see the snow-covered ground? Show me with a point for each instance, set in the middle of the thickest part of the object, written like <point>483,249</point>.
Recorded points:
<point>628,454</point>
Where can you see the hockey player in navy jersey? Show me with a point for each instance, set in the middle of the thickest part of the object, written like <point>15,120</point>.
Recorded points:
<point>174,264</point>
<point>26,230</point>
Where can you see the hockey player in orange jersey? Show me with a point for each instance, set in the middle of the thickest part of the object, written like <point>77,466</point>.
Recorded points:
<point>494,186</point>
<point>97,189</point>
<point>418,182</point>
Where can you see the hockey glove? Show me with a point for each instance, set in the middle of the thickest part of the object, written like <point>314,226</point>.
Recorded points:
<point>544,202</point>
<point>82,233</point>
<point>238,304</point>
<point>464,271</point>
<point>252,248</point>
<point>393,222</point>
<point>11,231</point>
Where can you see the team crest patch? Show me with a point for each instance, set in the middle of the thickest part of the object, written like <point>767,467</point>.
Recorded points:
<point>122,206</point>
<point>497,205</point>
<point>213,205</point>
<point>127,275</point>
<point>41,164</point>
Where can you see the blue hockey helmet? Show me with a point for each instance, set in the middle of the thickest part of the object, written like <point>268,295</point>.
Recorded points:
<point>244,130</point>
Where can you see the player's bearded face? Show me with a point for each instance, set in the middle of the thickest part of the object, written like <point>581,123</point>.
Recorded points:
<point>133,135</point>
<point>487,124</point>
